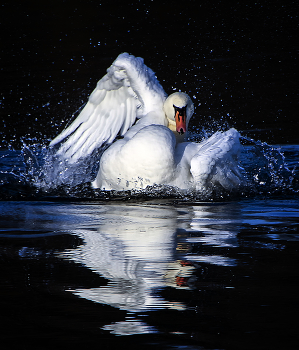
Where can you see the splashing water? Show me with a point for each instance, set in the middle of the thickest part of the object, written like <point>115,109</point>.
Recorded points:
<point>35,172</point>
<point>266,168</point>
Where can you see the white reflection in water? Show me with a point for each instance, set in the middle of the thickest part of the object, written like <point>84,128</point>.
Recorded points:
<point>218,224</point>
<point>140,249</point>
<point>214,259</point>
<point>129,327</point>
<point>132,249</point>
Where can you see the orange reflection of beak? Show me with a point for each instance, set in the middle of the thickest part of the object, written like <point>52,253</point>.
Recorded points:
<point>180,120</point>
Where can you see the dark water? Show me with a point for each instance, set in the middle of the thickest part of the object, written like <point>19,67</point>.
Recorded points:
<point>158,269</point>
<point>155,274</point>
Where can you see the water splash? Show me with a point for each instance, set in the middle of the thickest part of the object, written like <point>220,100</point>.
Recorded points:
<point>266,168</point>
<point>35,171</point>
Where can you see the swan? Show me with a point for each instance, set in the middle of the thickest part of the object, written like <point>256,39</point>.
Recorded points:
<point>144,132</point>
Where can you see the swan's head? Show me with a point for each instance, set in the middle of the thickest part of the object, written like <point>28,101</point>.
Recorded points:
<point>178,108</point>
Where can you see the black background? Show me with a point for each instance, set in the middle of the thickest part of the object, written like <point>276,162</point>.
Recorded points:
<point>237,60</point>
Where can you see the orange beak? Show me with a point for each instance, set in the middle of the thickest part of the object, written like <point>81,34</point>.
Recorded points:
<point>180,119</point>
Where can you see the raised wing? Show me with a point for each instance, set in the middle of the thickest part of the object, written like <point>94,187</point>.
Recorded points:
<point>128,91</point>
<point>216,161</point>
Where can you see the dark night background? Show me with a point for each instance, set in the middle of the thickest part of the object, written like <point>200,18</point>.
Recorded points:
<point>238,61</point>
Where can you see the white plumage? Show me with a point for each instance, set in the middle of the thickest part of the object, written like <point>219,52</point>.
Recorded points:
<point>152,151</point>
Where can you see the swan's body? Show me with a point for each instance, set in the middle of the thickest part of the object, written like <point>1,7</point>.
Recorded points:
<point>152,151</point>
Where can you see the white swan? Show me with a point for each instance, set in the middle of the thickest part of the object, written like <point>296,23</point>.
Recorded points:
<point>152,150</point>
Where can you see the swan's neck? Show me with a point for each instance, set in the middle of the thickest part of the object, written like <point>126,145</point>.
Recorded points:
<point>172,126</point>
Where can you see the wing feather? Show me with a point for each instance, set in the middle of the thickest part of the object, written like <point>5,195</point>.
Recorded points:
<point>216,161</point>
<point>129,107</point>
<point>128,91</point>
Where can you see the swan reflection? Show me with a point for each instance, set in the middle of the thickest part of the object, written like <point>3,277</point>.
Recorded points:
<point>133,248</point>
<point>140,249</point>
